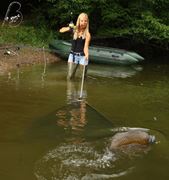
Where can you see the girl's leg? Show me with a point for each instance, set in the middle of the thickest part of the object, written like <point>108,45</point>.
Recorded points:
<point>69,70</point>
<point>72,67</point>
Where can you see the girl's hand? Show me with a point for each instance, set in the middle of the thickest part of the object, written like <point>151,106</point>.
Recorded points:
<point>72,26</point>
<point>64,29</point>
<point>86,57</point>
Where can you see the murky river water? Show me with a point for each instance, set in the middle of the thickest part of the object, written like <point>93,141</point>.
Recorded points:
<point>45,134</point>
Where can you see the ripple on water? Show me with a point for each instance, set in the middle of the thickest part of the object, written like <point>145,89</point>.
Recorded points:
<point>83,161</point>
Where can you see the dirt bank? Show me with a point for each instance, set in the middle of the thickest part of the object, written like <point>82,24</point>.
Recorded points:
<point>13,56</point>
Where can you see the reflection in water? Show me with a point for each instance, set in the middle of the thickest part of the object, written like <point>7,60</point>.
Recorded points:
<point>78,159</point>
<point>76,120</point>
<point>73,92</point>
<point>73,119</point>
<point>114,71</point>
<point>44,68</point>
<point>17,77</point>
<point>48,148</point>
<point>14,77</point>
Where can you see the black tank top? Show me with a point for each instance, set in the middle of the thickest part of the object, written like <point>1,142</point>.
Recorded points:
<point>78,45</point>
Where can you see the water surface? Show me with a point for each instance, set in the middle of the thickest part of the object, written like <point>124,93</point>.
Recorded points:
<point>46,134</point>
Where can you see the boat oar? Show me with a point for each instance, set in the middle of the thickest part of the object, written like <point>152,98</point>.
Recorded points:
<point>82,83</point>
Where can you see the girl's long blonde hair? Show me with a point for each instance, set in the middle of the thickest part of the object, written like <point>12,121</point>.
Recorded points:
<point>78,26</point>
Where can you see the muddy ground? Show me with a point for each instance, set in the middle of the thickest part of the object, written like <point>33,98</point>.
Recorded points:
<point>13,56</point>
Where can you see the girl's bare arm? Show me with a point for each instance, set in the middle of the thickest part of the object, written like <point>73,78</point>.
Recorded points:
<point>64,29</point>
<point>86,46</point>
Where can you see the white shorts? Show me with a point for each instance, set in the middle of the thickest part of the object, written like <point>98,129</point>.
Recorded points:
<point>78,59</point>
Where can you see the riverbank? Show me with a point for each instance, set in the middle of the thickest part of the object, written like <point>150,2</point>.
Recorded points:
<point>24,45</point>
<point>13,56</point>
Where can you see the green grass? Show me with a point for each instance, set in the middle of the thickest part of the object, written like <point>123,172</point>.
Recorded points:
<point>26,34</point>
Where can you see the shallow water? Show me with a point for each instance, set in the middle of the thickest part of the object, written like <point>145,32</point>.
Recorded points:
<point>46,134</point>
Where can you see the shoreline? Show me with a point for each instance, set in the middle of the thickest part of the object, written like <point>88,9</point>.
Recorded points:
<point>13,56</point>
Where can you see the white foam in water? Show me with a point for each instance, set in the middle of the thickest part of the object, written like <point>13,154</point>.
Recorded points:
<point>78,161</point>
<point>74,155</point>
<point>105,176</point>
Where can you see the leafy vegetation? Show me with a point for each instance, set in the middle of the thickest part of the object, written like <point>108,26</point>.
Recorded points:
<point>26,35</point>
<point>141,20</point>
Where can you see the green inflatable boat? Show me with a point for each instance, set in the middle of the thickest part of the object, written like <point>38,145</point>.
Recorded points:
<point>99,55</point>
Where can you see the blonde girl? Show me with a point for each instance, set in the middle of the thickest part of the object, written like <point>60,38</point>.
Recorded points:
<point>80,44</point>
